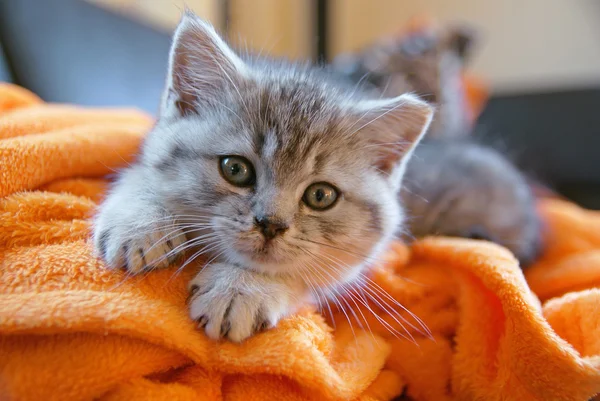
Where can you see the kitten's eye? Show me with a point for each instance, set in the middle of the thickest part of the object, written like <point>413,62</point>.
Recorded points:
<point>237,171</point>
<point>320,196</point>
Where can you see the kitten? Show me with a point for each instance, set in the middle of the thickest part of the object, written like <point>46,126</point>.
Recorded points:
<point>286,178</point>
<point>453,186</point>
<point>458,188</point>
<point>427,62</point>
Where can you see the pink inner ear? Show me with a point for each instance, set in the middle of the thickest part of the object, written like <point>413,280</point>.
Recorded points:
<point>201,65</point>
<point>185,107</point>
<point>183,91</point>
<point>398,126</point>
<point>391,156</point>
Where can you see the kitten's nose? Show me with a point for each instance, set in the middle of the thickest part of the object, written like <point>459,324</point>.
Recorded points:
<point>270,227</point>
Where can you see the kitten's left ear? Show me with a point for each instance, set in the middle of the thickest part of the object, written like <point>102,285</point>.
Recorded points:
<point>201,66</point>
<point>394,127</point>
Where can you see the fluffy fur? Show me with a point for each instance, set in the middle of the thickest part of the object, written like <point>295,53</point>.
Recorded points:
<point>297,126</point>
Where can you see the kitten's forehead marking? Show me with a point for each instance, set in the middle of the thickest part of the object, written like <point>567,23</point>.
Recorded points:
<point>290,126</point>
<point>270,145</point>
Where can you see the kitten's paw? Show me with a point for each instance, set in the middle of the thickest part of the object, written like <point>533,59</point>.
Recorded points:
<point>137,248</point>
<point>230,302</point>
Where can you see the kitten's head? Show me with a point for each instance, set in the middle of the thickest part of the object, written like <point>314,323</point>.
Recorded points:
<point>428,62</point>
<point>274,166</point>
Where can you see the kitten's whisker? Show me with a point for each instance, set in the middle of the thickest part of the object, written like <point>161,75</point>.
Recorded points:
<point>382,321</point>
<point>394,314</point>
<point>228,108</point>
<point>161,227</point>
<point>332,288</point>
<point>129,275</point>
<point>357,86</point>
<point>318,294</point>
<point>348,290</point>
<point>382,172</point>
<point>356,122</point>
<point>377,145</point>
<point>179,217</point>
<point>405,188</point>
<point>209,215</point>
<point>366,257</point>
<point>184,230</point>
<point>361,230</point>
<point>275,43</point>
<point>391,329</point>
<point>221,243</point>
<point>311,288</point>
<point>364,302</point>
<point>187,245</point>
<point>366,281</point>
<point>376,118</point>
<point>326,301</point>
<point>340,307</point>
<point>387,84</point>
<point>207,248</point>
<point>390,308</point>
<point>224,71</point>
<point>426,333</point>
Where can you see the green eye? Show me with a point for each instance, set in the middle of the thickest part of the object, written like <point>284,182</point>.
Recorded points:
<point>320,196</point>
<point>237,171</point>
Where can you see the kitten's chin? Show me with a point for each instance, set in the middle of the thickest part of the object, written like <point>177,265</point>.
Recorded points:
<point>263,263</point>
<point>261,255</point>
<point>265,259</point>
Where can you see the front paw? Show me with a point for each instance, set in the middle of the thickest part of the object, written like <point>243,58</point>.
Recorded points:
<point>233,303</point>
<point>138,247</point>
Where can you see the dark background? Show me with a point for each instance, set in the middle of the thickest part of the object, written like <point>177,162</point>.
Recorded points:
<point>71,51</point>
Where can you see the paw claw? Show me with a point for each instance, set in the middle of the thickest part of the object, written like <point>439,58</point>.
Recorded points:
<point>194,289</point>
<point>235,307</point>
<point>202,321</point>
<point>144,249</point>
<point>102,243</point>
<point>262,326</point>
<point>143,258</point>
<point>225,327</point>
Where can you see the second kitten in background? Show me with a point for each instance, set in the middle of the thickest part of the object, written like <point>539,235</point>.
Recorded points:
<point>428,63</point>
<point>453,186</point>
<point>458,188</point>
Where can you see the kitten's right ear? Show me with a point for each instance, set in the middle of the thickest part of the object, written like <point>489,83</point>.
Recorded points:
<point>200,66</point>
<point>393,127</point>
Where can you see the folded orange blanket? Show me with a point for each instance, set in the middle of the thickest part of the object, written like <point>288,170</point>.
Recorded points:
<point>72,330</point>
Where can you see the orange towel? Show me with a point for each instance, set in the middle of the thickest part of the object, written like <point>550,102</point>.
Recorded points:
<point>72,330</point>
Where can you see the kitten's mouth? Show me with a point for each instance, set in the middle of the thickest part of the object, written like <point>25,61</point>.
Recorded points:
<point>261,257</point>
<point>264,252</point>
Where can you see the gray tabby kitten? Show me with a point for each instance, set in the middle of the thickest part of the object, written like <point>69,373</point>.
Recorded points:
<point>285,178</point>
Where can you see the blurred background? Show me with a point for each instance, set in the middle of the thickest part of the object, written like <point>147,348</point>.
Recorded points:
<point>541,59</point>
